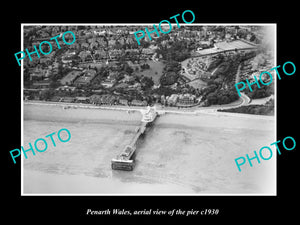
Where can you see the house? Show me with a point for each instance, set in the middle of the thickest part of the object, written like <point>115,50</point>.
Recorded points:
<point>100,53</point>
<point>113,76</point>
<point>65,88</point>
<point>42,84</point>
<point>67,99</point>
<point>85,45</point>
<point>186,99</point>
<point>123,101</point>
<point>99,32</point>
<point>46,60</point>
<point>107,84</point>
<point>69,53</point>
<point>82,99</point>
<point>139,102</point>
<point>111,79</point>
<point>108,99</point>
<point>68,57</point>
<point>114,53</point>
<point>42,34</point>
<point>127,79</point>
<point>136,86</point>
<point>85,78</point>
<point>172,100</point>
<point>121,86</point>
<point>95,99</point>
<point>162,99</point>
<point>37,73</point>
<point>101,41</point>
<point>83,55</point>
<point>102,99</point>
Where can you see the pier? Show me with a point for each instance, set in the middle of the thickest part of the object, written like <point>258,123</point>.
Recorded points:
<point>126,159</point>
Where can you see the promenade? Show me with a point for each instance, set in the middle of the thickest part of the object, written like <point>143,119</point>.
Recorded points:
<point>197,110</point>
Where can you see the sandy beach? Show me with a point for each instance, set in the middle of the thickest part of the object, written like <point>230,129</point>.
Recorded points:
<point>182,154</point>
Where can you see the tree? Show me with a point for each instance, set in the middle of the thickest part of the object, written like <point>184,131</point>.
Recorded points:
<point>145,66</point>
<point>212,98</point>
<point>127,68</point>
<point>163,90</point>
<point>54,84</point>
<point>223,100</point>
<point>146,82</point>
<point>210,88</point>
<point>262,92</point>
<point>46,94</point>
<point>253,37</point>
<point>169,78</point>
<point>178,51</point>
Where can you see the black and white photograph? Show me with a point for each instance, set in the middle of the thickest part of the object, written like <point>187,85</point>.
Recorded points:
<point>146,113</point>
<point>144,109</point>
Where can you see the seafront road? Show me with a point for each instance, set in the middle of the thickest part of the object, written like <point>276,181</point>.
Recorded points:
<point>244,100</point>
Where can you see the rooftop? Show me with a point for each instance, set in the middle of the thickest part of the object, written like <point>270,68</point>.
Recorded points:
<point>226,46</point>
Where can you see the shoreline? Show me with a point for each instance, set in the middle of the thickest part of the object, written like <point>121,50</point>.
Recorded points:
<point>161,110</point>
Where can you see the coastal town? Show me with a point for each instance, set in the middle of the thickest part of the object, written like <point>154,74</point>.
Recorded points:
<point>194,66</point>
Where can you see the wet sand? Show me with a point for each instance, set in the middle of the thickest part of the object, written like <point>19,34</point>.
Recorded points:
<point>182,154</point>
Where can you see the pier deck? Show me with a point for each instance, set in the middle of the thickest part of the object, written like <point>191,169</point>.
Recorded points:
<point>126,159</point>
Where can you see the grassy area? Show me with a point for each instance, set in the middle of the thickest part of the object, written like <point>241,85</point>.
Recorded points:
<point>198,83</point>
<point>155,71</point>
